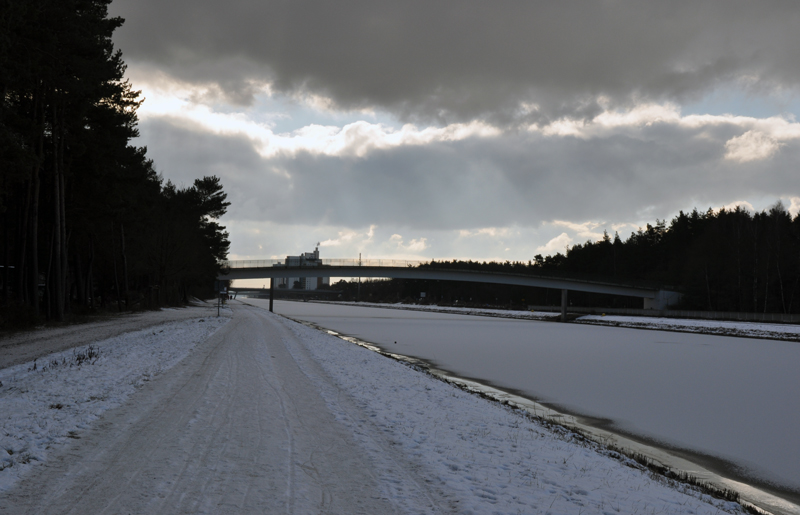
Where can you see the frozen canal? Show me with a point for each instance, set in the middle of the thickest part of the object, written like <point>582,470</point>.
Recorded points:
<point>732,403</point>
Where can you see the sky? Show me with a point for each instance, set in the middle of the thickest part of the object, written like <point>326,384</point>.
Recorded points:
<point>470,130</point>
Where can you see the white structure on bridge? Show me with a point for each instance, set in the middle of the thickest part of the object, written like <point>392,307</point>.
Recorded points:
<point>306,259</point>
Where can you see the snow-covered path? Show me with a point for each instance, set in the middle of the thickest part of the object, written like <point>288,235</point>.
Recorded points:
<point>236,427</point>
<point>269,416</point>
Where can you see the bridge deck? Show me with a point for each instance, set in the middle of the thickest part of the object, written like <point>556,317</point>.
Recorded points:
<point>398,272</point>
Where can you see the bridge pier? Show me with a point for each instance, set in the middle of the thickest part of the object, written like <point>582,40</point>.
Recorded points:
<point>564,295</point>
<point>271,292</point>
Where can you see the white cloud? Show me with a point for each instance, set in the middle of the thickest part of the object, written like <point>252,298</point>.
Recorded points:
<point>751,146</point>
<point>348,237</point>
<point>617,227</point>
<point>415,245</point>
<point>794,206</point>
<point>557,244</point>
<point>335,242</point>
<point>761,139</point>
<point>730,206</point>
<point>352,139</point>
<point>583,230</point>
<point>609,121</point>
<point>492,232</point>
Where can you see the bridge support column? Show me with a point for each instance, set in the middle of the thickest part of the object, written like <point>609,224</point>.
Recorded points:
<point>271,292</point>
<point>564,295</point>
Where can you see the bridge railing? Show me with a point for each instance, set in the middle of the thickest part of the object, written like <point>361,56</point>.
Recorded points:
<point>264,263</point>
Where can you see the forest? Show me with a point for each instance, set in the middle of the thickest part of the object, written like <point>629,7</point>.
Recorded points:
<point>720,260</point>
<point>87,222</point>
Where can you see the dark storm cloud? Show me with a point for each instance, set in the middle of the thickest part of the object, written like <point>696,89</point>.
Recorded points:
<point>521,179</point>
<point>468,59</point>
<point>185,153</point>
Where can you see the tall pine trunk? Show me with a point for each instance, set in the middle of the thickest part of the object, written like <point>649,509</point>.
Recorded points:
<point>6,251</point>
<point>58,281</point>
<point>6,215</point>
<point>89,280</point>
<point>33,274</point>
<point>114,259</point>
<point>48,288</point>
<point>766,285</point>
<point>124,267</point>
<point>63,218</point>
<point>79,284</point>
<point>755,269</point>
<point>22,242</point>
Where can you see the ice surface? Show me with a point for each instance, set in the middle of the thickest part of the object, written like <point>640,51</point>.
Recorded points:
<point>486,457</point>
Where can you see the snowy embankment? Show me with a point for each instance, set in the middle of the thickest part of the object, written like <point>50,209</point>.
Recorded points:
<point>721,327</point>
<point>50,400</point>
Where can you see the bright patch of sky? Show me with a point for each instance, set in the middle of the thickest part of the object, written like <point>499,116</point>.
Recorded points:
<point>739,102</point>
<point>280,113</point>
<point>325,131</point>
<point>288,115</point>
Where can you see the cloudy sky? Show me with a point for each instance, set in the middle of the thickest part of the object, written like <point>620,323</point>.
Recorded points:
<point>483,130</point>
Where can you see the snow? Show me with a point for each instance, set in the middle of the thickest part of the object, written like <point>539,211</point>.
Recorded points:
<point>26,346</point>
<point>49,401</point>
<point>730,403</point>
<point>720,327</point>
<point>259,400</point>
<point>457,310</point>
<point>489,458</point>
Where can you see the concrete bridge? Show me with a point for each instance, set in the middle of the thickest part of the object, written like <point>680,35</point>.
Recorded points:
<point>654,298</point>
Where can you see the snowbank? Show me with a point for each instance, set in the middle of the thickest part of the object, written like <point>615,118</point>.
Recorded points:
<point>721,327</point>
<point>49,400</point>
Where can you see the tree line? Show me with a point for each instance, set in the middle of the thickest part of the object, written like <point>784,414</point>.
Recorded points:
<point>723,260</point>
<point>87,222</point>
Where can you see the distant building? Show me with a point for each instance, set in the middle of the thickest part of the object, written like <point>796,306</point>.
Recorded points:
<point>303,283</point>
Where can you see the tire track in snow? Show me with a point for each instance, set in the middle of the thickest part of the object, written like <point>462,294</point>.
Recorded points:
<point>399,474</point>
